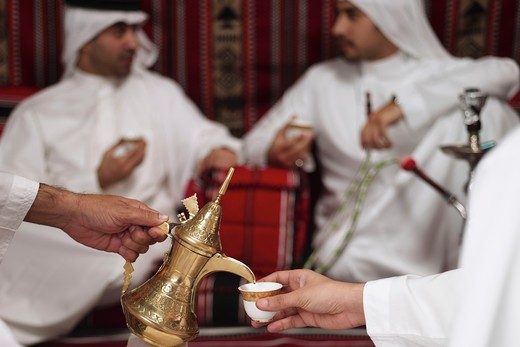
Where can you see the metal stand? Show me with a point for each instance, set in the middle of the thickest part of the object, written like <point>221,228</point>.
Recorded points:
<point>472,102</point>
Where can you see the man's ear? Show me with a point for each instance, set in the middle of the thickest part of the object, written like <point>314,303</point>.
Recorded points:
<point>83,55</point>
<point>85,49</point>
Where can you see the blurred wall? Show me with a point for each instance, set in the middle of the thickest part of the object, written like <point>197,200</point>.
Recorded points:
<point>235,58</point>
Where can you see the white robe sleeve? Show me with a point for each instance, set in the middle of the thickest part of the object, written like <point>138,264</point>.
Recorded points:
<point>17,194</point>
<point>435,91</point>
<point>489,313</point>
<point>296,102</point>
<point>190,140</point>
<point>6,337</point>
<point>207,134</point>
<point>22,149</point>
<point>23,152</point>
<point>411,310</point>
<point>476,305</point>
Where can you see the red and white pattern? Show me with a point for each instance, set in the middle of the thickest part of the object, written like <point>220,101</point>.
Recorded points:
<point>264,224</point>
<point>280,40</point>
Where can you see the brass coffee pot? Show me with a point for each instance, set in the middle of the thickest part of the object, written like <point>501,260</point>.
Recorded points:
<point>161,310</point>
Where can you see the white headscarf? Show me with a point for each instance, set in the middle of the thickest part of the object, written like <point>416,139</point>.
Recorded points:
<point>81,25</point>
<point>405,24</point>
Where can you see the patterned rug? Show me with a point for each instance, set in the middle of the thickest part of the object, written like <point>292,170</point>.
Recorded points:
<point>235,58</point>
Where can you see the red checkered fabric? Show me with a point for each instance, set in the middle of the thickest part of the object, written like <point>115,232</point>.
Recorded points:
<point>265,218</point>
<point>265,224</point>
<point>259,223</point>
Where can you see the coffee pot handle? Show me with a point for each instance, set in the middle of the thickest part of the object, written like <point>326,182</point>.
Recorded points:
<point>220,263</point>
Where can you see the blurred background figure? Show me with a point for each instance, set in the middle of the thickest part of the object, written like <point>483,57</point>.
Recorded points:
<point>235,59</point>
<point>109,126</point>
<point>390,53</point>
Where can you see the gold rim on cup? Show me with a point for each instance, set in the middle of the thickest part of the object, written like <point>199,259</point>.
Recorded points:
<point>251,295</point>
<point>254,296</point>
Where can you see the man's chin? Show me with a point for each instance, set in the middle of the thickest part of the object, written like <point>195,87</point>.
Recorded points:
<point>351,58</point>
<point>123,72</point>
<point>350,55</point>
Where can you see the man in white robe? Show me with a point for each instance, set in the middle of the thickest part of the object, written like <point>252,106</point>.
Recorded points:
<point>390,51</point>
<point>476,305</point>
<point>107,223</point>
<point>109,126</point>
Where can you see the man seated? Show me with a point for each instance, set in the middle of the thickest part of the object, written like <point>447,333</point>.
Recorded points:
<point>109,126</point>
<point>394,70</point>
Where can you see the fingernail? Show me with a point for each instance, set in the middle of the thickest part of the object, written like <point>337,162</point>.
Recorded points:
<point>262,303</point>
<point>155,234</point>
<point>163,217</point>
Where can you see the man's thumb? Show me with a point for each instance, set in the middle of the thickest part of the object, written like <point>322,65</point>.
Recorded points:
<point>277,302</point>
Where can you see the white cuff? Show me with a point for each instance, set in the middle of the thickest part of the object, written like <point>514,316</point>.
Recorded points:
<point>376,297</point>
<point>21,197</point>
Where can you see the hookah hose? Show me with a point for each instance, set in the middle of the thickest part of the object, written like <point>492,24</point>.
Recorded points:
<point>358,188</point>
<point>357,191</point>
<point>408,164</point>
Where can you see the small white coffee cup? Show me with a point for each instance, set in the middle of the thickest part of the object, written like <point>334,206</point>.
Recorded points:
<point>298,127</point>
<point>251,292</point>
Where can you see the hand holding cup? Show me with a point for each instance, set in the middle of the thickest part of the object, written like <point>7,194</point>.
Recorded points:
<point>251,292</point>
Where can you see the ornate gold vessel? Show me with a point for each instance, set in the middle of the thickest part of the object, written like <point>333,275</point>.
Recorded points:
<point>161,310</point>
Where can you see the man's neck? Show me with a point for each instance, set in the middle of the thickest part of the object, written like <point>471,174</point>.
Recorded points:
<point>387,66</point>
<point>384,54</point>
<point>95,75</point>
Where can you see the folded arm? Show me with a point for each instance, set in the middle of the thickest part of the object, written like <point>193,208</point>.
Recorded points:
<point>439,82</point>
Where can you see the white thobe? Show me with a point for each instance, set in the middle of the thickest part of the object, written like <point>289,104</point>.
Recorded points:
<point>6,337</point>
<point>48,282</point>
<point>17,194</point>
<point>405,226</point>
<point>478,304</point>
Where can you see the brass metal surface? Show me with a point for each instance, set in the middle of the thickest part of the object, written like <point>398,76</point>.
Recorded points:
<point>162,310</point>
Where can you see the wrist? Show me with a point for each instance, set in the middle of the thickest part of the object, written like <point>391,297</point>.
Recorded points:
<point>355,299</point>
<point>395,113</point>
<point>68,205</point>
<point>101,179</point>
<point>52,207</point>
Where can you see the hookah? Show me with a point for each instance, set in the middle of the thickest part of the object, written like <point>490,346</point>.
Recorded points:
<point>408,164</point>
<point>472,102</point>
<point>352,204</point>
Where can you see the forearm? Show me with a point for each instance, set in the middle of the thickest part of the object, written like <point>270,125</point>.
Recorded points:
<point>258,141</point>
<point>214,136</point>
<point>52,207</point>
<point>435,93</point>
